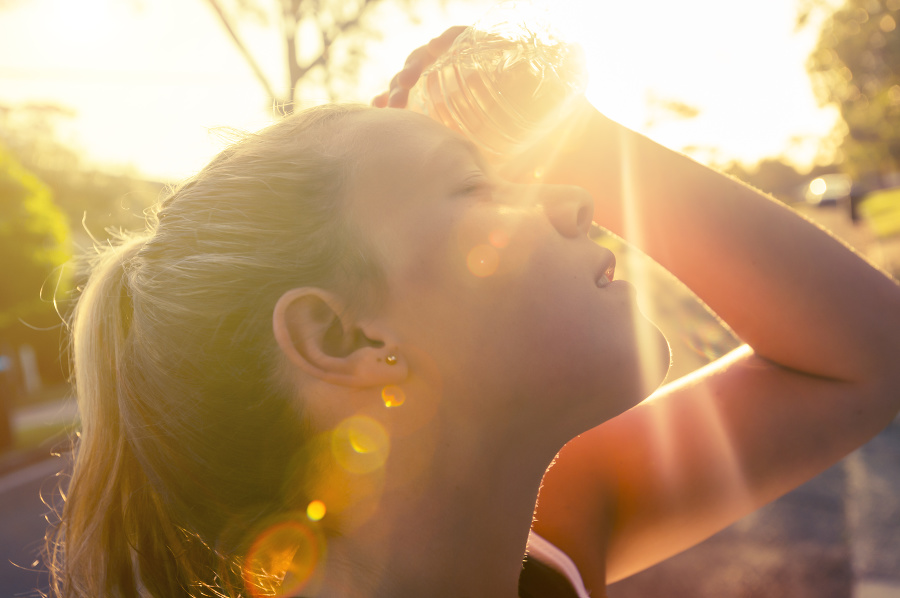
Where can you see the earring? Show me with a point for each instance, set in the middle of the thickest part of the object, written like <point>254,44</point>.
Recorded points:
<point>391,359</point>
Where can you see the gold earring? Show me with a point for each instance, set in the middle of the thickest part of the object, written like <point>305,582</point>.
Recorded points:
<point>391,359</point>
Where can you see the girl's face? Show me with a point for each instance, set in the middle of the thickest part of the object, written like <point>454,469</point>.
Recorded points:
<point>495,288</point>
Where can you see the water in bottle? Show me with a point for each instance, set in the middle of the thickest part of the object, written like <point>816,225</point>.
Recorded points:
<point>505,81</point>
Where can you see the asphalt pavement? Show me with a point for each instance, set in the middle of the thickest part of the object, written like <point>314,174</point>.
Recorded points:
<point>22,521</point>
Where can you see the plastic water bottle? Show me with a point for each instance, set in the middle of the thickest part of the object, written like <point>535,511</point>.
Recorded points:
<point>506,80</point>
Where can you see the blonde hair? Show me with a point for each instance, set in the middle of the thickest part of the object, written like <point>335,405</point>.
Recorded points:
<point>188,436</point>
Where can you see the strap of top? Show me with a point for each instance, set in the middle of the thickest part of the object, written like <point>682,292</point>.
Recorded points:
<point>549,572</point>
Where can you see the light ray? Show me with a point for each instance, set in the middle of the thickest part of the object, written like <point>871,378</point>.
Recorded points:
<point>637,264</point>
<point>709,419</point>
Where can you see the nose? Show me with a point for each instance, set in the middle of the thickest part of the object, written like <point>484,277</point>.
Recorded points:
<point>569,209</point>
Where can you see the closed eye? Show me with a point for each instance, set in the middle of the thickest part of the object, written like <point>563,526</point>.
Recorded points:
<point>479,188</point>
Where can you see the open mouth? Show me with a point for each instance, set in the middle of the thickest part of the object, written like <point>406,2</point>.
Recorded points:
<point>606,276</point>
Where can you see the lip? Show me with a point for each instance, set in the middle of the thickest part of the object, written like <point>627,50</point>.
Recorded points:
<point>606,273</point>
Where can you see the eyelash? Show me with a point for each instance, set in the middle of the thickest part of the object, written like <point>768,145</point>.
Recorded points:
<point>479,186</point>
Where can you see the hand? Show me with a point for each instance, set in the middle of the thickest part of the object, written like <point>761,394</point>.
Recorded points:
<point>418,60</point>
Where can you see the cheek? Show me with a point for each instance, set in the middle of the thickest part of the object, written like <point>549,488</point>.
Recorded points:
<point>499,244</point>
<point>418,257</point>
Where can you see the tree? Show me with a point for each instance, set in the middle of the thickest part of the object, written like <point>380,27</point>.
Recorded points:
<point>33,242</point>
<point>34,245</point>
<point>856,67</point>
<point>323,39</point>
<point>89,197</point>
<point>48,197</point>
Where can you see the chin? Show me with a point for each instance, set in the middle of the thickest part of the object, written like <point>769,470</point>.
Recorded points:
<point>649,366</point>
<point>655,357</point>
<point>663,360</point>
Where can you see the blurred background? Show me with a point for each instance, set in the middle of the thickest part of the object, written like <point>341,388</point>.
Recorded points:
<point>103,103</point>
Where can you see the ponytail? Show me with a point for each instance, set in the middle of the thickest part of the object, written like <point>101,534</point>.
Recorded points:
<point>190,430</point>
<point>114,537</point>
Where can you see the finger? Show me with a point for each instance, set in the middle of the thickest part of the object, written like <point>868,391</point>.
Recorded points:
<point>424,56</point>
<point>442,43</point>
<point>408,77</point>
<point>418,60</point>
<point>395,82</point>
<point>381,100</point>
<point>398,98</point>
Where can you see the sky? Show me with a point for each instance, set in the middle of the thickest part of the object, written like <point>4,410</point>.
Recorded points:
<point>150,81</point>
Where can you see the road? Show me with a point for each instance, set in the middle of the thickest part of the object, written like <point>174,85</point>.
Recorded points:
<point>22,523</point>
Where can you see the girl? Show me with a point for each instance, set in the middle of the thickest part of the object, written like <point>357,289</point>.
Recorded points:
<point>341,358</point>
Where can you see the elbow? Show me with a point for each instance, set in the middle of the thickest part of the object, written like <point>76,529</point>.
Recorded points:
<point>881,373</point>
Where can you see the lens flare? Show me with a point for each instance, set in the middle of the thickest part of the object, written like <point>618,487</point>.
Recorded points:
<point>498,238</point>
<point>285,554</point>
<point>393,396</point>
<point>315,510</point>
<point>350,498</point>
<point>360,444</point>
<point>483,260</point>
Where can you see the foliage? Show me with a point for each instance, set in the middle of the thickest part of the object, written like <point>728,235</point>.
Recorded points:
<point>48,196</point>
<point>323,40</point>
<point>33,241</point>
<point>881,209</point>
<point>89,197</point>
<point>856,67</point>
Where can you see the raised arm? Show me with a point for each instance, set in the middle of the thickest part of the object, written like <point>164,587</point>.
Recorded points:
<point>817,379</point>
<point>794,293</point>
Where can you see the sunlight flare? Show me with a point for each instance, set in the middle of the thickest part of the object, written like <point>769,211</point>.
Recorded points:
<point>483,260</point>
<point>286,552</point>
<point>360,444</point>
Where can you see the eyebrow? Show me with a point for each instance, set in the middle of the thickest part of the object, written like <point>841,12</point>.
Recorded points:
<point>466,144</point>
<point>463,143</point>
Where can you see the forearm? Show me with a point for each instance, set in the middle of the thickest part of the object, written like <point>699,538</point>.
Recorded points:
<point>787,288</point>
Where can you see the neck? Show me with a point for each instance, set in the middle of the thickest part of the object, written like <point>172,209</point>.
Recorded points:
<point>457,529</point>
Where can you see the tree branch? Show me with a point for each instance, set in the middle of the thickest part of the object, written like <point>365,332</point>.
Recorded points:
<point>327,39</point>
<point>240,45</point>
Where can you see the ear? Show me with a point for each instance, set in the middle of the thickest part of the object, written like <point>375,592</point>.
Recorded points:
<point>317,334</point>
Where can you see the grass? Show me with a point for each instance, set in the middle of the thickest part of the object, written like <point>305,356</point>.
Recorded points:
<point>881,209</point>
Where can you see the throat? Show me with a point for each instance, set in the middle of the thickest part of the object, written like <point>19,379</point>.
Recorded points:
<point>460,537</point>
